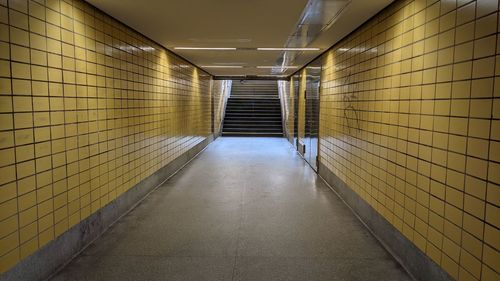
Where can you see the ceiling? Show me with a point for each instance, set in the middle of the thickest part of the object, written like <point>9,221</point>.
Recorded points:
<point>244,25</point>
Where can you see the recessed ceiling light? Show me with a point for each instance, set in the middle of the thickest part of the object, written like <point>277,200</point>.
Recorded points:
<point>275,66</point>
<point>288,49</point>
<point>205,48</point>
<point>221,66</point>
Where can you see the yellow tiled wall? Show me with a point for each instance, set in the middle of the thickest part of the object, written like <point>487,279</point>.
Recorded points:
<point>410,120</point>
<point>88,108</point>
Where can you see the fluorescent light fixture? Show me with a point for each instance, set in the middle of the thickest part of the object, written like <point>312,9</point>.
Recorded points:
<point>205,48</point>
<point>221,66</point>
<point>275,66</point>
<point>147,49</point>
<point>288,49</point>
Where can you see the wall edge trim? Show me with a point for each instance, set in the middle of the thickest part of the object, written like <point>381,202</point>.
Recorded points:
<point>412,259</point>
<point>55,255</point>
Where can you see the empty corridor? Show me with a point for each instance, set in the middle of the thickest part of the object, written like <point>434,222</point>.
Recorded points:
<point>244,209</point>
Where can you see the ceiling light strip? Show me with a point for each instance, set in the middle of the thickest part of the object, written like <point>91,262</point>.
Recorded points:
<point>276,66</point>
<point>288,49</point>
<point>221,66</point>
<point>206,48</point>
<point>234,49</point>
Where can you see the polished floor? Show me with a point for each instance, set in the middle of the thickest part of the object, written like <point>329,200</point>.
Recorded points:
<point>244,209</point>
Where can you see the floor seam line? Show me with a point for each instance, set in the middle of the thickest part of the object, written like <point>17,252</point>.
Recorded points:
<point>242,205</point>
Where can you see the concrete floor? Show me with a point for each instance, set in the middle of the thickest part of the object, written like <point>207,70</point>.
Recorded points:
<point>244,209</point>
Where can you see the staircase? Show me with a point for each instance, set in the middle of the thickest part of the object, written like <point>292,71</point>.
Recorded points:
<point>253,109</point>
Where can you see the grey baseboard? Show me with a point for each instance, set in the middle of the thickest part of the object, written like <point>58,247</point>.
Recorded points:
<point>53,256</point>
<point>416,262</point>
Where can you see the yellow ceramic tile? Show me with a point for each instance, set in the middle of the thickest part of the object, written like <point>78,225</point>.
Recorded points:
<point>25,152</point>
<point>21,87</point>
<point>24,136</point>
<point>474,206</point>
<point>9,243</point>
<point>38,42</point>
<point>29,247</point>
<point>475,187</point>
<point>4,51</point>
<point>42,134</point>
<point>40,88</point>
<point>464,52</point>
<point>6,121</point>
<point>7,157</point>
<point>40,103</point>
<point>454,197</point>
<point>5,68</point>
<point>5,86</point>
<point>6,139</point>
<point>4,15</point>
<point>477,148</point>
<point>481,108</point>
<point>9,260</point>
<point>18,19</point>
<point>494,173</point>
<point>486,26</point>
<point>479,128</point>
<point>28,232</point>
<point>470,263</point>
<point>483,67</point>
<point>481,88</point>
<point>19,53</point>
<point>8,208</point>
<point>446,39</point>
<point>38,57</point>
<point>22,104</point>
<point>484,47</point>
<point>20,70</point>
<point>39,73</point>
<point>19,36</point>
<point>460,107</point>
<point>26,185</point>
<point>464,33</point>
<point>447,21</point>
<point>54,60</point>
<point>462,71</point>
<point>8,226</point>
<point>4,32</point>
<point>41,119</point>
<point>37,10</point>
<point>25,169</point>
<point>43,179</point>
<point>489,274</point>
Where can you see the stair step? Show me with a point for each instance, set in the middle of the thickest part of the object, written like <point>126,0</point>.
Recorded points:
<point>253,120</point>
<point>251,134</point>
<point>252,117</point>
<point>252,129</point>
<point>254,105</point>
<point>253,109</point>
<point>250,125</point>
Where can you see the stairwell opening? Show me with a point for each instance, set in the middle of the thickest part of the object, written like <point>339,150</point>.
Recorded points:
<point>253,109</point>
